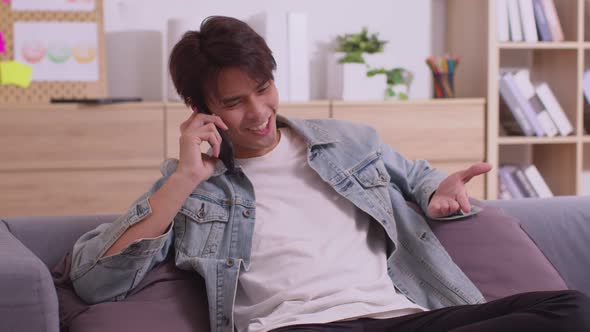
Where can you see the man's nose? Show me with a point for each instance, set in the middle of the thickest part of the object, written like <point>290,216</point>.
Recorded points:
<point>255,107</point>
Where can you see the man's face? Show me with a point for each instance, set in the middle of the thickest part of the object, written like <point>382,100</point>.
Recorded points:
<point>249,109</point>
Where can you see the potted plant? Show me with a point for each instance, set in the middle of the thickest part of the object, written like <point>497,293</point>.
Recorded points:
<point>355,45</point>
<point>398,82</point>
<point>347,68</point>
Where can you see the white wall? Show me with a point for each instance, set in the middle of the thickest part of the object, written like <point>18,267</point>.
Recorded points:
<point>407,25</point>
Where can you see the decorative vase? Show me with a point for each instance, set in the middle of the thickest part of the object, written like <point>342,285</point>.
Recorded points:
<point>349,81</point>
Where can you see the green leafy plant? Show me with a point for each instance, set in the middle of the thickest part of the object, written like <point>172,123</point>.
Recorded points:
<point>354,45</point>
<point>394,76</point>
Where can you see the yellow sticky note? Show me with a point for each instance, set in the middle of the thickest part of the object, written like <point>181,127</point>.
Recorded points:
<point>14,72</point>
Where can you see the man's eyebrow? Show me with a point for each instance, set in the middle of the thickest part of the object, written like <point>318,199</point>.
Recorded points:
<point>228,100</point>
<point>261,85</point>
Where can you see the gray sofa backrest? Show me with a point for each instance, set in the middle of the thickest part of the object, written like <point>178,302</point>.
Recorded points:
<point>49,238</point>
<point>547,221</point>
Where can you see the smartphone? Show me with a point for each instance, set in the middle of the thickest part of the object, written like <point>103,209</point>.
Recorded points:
<point>460,214</point>
<point>226,151</point>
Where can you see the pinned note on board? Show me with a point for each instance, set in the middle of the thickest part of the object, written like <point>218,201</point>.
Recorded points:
<point>2,46</point>
<point>17,73</point>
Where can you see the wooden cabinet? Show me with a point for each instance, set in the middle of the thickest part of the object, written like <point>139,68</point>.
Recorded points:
<point>432,130</point>
<point>81,137</point>
<point>74,159</point>
<point>448,133</point>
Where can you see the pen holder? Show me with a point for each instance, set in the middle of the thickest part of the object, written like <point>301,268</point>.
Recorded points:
<point>443,85</point>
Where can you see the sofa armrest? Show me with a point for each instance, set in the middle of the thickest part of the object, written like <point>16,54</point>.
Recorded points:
<point>29,299</point>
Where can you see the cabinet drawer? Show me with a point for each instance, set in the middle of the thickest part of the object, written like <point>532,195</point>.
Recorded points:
<point>424,130</point>
<point>72,192</point>
<point>81,137</point>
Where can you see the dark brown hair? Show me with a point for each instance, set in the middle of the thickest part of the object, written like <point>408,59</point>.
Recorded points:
<point>222,42</point>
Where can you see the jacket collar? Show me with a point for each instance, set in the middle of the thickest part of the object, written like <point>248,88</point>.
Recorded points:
<point>311,132</point>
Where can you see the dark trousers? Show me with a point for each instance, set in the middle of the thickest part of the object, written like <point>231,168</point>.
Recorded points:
<point>535,311</point>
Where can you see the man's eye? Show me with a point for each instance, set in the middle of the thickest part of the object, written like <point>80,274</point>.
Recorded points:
<point>232,105</point>
<point>264,88</point>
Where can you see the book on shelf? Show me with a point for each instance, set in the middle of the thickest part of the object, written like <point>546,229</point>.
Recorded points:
<point>527,18</point>
<point>506,177</point>
<point>537,181</point>
<point>524,183</point>
<point>514,21</point>
<point>586,91</point>
<point>509,121</point>
<point>523,81</point>
<point>503,192</point>
<point>503,23</point>
<point>508,94</point>
<point>585,182</point>
<point>542,25</point>
<point>553,20</point>
<point>586,85</point>
<point>555,110</point>
<point>520,106</point>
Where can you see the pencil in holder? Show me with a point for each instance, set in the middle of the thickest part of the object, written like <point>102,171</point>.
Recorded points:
<point>443,69</point>
<point>443,85</point>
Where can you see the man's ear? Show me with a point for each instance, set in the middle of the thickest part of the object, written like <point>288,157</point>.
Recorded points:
<point>189,103</point>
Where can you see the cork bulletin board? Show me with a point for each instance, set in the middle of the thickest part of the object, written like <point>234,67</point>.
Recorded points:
<point>43,91</point>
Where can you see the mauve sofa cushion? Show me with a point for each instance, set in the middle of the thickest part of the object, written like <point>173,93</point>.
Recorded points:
<point>560,227</point>
<point>167,299</point>
<point>496,254</point>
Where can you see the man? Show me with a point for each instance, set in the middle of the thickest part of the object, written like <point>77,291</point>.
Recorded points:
<point>312,231</point>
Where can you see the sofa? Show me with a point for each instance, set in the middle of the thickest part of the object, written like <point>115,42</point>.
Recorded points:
<point>509,247</point>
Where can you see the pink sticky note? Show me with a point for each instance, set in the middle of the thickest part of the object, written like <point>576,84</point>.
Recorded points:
<point>7,1</point>
<point>2,48</point>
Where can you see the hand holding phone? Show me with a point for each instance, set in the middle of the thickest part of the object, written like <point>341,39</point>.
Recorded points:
<point>199,127</point>
<point>226,153</point>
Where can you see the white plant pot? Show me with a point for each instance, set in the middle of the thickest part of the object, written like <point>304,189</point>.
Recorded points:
<point>349,81</point>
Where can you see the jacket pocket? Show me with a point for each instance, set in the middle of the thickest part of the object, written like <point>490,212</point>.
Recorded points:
<point>374,174</point>
<point>201,226</point>
<point>373,177</point>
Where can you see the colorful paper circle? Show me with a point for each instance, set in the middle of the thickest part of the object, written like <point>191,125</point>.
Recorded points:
<point>58,53</point>
<point>33,51</point>
<point>84,53</point>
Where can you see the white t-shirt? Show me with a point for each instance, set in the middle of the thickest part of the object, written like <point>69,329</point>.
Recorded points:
<point>315,257</point>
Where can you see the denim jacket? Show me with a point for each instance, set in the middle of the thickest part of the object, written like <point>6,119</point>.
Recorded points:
<point>212,231</point>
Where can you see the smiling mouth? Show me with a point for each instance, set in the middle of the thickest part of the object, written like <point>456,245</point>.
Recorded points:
<point>261,126</point>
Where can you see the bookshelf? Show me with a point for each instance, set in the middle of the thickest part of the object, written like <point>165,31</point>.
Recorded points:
<point>472,34</point>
